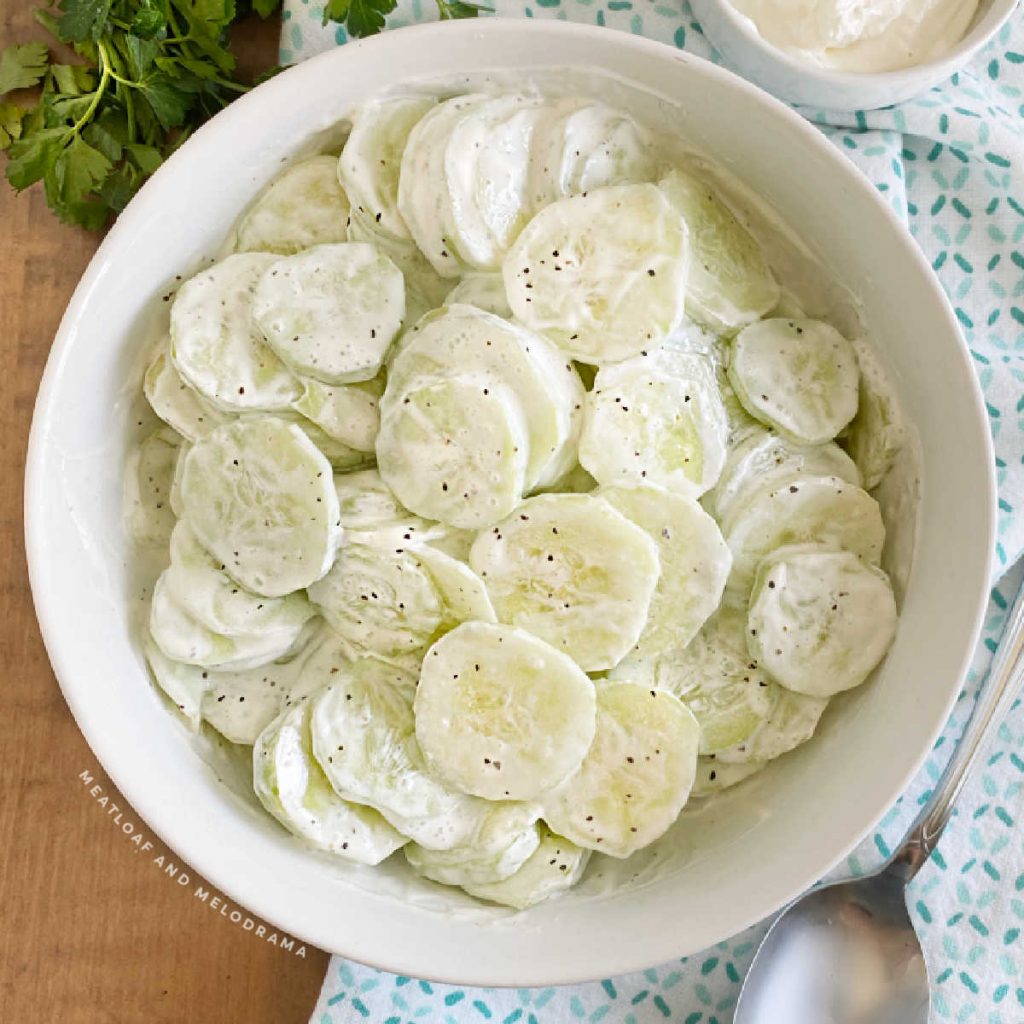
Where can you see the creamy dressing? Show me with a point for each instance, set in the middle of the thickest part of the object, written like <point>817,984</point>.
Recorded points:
<point>861,35</point>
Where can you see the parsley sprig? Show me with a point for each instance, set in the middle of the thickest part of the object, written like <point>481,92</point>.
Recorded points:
<point>150,72</point>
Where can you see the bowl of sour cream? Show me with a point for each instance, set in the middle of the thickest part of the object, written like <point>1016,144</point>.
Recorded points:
<point>849,54</point>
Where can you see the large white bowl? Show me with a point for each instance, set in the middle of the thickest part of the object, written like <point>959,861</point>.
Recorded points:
<point>733,863</point>
<point>790,78</point>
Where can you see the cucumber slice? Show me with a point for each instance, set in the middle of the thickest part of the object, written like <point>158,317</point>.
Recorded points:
<point>367,503</point>
<point>216,347</point>
<point>380,599</point>
<point>730,283</point>
<point>820,620</point>
<point>148,479</point>
<point>241,705</point>
<point>466,341</point>
<point>178,405</point>
<point>637,775</point>
<point>462,592</point>
<point>177,505</point>
<point>184,685</point>
<point>260,498</point>
<point>331,312</point>
<point>655,419</point>
<point>486,162</point>
<point>716,678</point>
<point>507,838</point>
<point>290,785</point>
<point>485,291</point>
<point>214,599</point>
<point>304,206</point>
<point>455,451</point>
<point>806,510</point>
<point>501,714</point>
<point>342,458</point>
<point>875,436</point>
<point>349,414</point>
<point>425,289</point>
<point>182,637</point>
<point>602,275</point>
<point>791,723</point>
<point>695,563</point>
<point>364,737</point>
<point>579,146</point>
<point>799,376</point>
<point>573,571</point>
<point>372,158</point>
<point>714,776</point>
<point>760,456</point>
<point>424,199</point>
<point>576,481</point>
<point>556,865</point>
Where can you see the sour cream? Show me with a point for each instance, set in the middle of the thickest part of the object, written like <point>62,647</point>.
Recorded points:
<point>861,35</point>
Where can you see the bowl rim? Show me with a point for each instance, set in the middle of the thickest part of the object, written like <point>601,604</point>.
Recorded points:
<point>927,74</point>
<point>206,859</point>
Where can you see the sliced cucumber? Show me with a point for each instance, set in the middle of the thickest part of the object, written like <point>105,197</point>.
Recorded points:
<point>304,206</point>
<point>424,199</point>
<point>573,571</point>
<point>380,599</point>
<point>637,775</point>
<point>177,504</point>
<point>485,291</point>
<point>759,456</point>
<point>148,481</point>
<point>579,146</point>
<point>223,606</point>
<point>463,593</point>
<point>655,419</point>
<point>331,312</point>
<point>486,162</point>
<point>466,341</point>
<point>556,865</point>
<point>216,347</point>
<point>876,434</point>
<point>714,776</point>
<point>695,563</point>
<point>718,680</point>
<point>184,685</point>
<point>805,510</point>
<point>601,275</point>
<point>364,737</point>
<point>260,498</point>
<point>799,376</point>
<point>501,714</point>
<point>182,637</point>
<point>178,405</point>
<point>820,620</point>
<point>342,458</point>
<point>367,503</point>
<point>291,786</point>
<point>455,451</point>
<point>349,414</point>
<point>791,723</point>
<point>730,283</point>
<point>372,158</point>
<point>507,838</point>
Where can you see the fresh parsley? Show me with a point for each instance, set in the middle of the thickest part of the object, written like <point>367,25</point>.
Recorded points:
<point>148,73</point>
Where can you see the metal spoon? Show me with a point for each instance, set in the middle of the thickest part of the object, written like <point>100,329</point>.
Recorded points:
<point>847,953</point>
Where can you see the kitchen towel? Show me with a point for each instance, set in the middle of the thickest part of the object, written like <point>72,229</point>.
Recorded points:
<point>951,164</point>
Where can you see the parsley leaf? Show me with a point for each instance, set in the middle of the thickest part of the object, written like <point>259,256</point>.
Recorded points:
<point>360,17</point>
<point>83,20</point>
<point>10,123</point>
<point>23,66</point>
<point>34,155</point>
<point>448,10</point>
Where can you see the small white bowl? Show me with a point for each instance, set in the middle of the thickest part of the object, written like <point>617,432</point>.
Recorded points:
<point>730,864</point>
<point>784,75</point>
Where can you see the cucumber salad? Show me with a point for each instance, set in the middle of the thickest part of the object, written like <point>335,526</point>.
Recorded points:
<point>504,500</point>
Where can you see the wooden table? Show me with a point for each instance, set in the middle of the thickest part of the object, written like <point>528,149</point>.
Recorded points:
<point>91,929</point>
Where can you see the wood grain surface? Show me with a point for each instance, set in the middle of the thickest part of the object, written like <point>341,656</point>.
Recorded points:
<point>92,927</point>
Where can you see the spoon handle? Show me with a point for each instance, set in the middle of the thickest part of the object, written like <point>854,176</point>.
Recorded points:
<point>995,698</point>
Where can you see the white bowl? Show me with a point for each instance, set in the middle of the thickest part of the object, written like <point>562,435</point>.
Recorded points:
<point>735,862</point>
<point>784,75</point>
